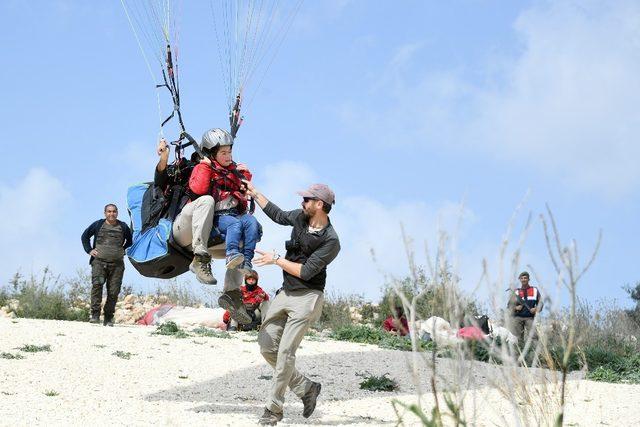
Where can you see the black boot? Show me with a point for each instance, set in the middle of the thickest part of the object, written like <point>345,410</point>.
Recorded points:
<point>232,301</point>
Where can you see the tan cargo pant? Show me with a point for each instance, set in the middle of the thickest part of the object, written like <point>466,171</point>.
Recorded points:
<point>521,327</point>
<point>287,319</point>
<point>193,224</point>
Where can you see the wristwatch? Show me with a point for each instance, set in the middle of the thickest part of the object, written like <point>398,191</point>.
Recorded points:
<point>276,257</point>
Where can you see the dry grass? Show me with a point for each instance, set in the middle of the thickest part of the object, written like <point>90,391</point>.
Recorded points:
<point>536,396</point>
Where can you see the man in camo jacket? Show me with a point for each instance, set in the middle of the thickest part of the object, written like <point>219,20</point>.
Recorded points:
<point>110,238</point>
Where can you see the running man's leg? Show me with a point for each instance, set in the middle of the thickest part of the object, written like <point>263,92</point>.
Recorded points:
<point>301,308</point>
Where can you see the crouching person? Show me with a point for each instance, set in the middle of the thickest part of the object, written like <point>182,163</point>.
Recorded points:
<point>110,238</point>
<point>256,302</point>
<point>396,323</point>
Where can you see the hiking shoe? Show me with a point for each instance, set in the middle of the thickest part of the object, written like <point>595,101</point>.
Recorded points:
<point>201,267</point>
<point>232,329</point>
<point>234,260</point>
<point>309,399</point>
<point>270,418</point>
<point>94,319</point>
<point>232,302</point>
<point>108,322</point>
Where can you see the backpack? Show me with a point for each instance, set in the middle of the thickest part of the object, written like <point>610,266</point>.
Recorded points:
<point>483,323</point>
<point>153,252</point>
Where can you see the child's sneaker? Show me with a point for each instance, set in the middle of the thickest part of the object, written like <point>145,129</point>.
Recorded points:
<point>234,260</point>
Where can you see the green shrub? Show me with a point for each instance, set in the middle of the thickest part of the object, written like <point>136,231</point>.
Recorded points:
<point>378,383</point>
<point>4,355</point>
<point>47,296</point>
<point>437,298</point>
<point>5,296</point>
<point>122,354</point>
<point>359,333</point>
<point>556,353</point>
<point>605,364</point>
<point>31,348</point>
<point>172,329</point>
<point>377,336</point>
<point>178,293</point>
<point>336,310</point>
<point>207,332</point>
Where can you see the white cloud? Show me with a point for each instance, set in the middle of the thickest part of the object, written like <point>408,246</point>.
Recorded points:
<point>565,106</point>
<point>569,104</point>
<point>32,209</point>
<point>33,204</point>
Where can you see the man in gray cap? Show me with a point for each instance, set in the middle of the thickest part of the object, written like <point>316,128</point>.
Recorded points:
<point>313,245</point>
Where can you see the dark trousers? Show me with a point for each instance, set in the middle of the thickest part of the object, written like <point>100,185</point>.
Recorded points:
<point>110,273</point>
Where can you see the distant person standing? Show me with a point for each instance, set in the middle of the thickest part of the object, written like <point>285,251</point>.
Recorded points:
<point>110,238</point>
<point>313,245</point>
<point>525,303</point>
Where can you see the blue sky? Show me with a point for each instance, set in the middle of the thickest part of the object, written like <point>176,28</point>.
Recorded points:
<point>414,112</point>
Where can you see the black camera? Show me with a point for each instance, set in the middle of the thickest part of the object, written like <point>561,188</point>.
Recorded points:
<point>292,245</point>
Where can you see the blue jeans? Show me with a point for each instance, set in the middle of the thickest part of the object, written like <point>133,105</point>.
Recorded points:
<point>235,228</point>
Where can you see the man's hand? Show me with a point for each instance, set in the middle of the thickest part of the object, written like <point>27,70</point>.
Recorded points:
<point>518,307</point>
<point>163,152</point>
<point>163,148</point>
<point>241,167</point>
<point>93,253</point>
<point>251,190</point>
<point>265,258</point>
<point>533,310</point>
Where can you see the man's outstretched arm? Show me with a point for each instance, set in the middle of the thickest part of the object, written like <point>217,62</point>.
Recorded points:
<point>270,209</point>
<point>293,268</point>
<point>318,260</point>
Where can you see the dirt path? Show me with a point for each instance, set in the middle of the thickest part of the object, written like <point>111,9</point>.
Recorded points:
<point>214,381</point>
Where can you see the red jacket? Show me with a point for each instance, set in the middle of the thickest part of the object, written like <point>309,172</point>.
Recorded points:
<point>254,297</point>
<point>220,182</point>
<point>391,325</point>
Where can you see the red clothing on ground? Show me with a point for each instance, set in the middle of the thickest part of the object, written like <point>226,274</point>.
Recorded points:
<point>219,181</point>
<point>390,325</point>
<point>254,297</point>
<point>471,333</point>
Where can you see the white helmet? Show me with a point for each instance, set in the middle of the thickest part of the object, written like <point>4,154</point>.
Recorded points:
<point>215,137</point>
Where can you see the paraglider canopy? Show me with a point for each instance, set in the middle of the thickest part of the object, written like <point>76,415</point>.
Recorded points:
<point>247,34</point>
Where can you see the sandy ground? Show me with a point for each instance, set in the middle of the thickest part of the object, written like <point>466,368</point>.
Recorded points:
<point>213,381</point>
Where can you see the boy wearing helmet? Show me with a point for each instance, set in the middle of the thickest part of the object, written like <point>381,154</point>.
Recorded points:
<point>218,177</point>
<point>255,301</point>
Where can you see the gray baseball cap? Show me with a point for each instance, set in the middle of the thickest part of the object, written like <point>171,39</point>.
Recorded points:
<point>321,192</point>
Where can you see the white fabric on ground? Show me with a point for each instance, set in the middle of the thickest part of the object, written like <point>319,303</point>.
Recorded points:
<point>187,317</point>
